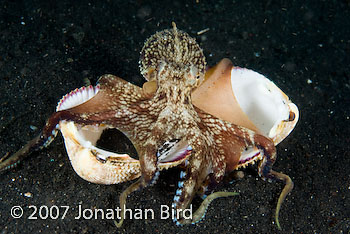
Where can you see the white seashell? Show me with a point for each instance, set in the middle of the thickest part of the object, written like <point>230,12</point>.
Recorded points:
<point>246,98</point>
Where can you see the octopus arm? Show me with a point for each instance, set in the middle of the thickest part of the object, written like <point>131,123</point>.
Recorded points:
<point>196,174</point>
<point>110,104</point>
<point>231,141</point>
<point>204,171</point>
<point>113,94</point>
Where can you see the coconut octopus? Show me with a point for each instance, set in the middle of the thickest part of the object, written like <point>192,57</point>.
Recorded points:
<point>163,124</point>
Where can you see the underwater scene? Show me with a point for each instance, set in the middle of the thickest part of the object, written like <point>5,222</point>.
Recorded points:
<point>175,116</point>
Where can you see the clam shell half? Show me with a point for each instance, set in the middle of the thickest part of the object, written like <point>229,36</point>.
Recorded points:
<point>101,166</point>
<point>246,98</point>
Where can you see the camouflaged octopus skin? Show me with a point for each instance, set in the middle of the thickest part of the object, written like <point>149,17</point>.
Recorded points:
<point>173,60</point>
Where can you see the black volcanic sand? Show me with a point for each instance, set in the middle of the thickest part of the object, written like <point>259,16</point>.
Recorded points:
<point>48,49</point>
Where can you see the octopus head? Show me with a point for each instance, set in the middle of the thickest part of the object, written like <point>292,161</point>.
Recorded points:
<point>172,50</point>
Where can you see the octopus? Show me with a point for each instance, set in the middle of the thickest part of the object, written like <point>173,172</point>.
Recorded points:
<point>161,116</point>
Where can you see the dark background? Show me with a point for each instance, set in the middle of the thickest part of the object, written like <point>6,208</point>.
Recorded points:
<point>49,48</point>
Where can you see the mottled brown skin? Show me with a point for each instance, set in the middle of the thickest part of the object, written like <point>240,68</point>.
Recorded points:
<point>175,61</point>
<point>177,64</point>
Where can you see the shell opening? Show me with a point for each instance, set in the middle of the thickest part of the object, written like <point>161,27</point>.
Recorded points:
<point>101,140</point>
<point>87,137</point>
<point>260,100</point>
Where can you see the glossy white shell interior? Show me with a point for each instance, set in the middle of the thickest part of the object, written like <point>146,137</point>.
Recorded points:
<point>260,99</point>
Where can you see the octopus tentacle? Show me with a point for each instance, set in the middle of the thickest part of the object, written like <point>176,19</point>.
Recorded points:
<point>232,139</point>
<point>199,214</point>
<point>132,188</point>
<point>286,190</point>
<point>206,187</point>
<point>12,161</point>
<point>148,160</point>
<point>273,175</point>
<point>196,173</point>
<point>122,200</point>
<point>265,169</point>
<point>46,136</point>
<point>266,172</point>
